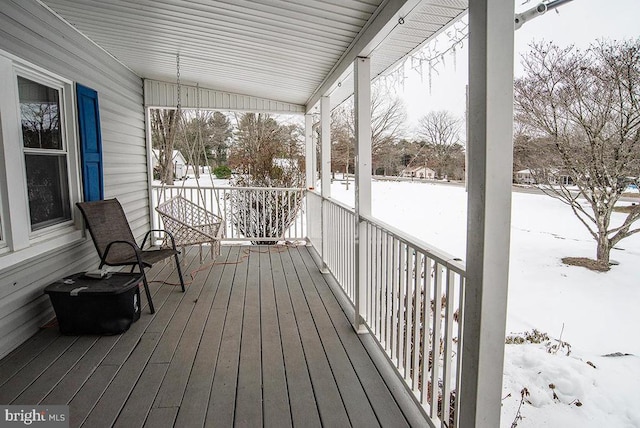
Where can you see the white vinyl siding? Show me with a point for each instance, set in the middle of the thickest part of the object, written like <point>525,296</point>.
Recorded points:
<point>32,34</point>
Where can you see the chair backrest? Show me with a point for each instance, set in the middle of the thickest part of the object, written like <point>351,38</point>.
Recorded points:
<point>107,222</point>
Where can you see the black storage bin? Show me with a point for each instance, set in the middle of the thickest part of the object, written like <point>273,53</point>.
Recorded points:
<point>96,306</point>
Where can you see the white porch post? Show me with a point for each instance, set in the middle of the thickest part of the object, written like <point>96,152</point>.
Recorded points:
<point>309,151</point>
<point>149,147</point>
<point>310,167</point>
<point>362,95</point>
<point>491,27</point>
<point>325,138</point>
<point>325,170</point>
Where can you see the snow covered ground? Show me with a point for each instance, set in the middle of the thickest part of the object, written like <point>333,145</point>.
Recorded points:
<point>596,313</point>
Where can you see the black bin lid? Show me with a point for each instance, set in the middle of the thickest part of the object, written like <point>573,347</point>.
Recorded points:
<point>79,284</point>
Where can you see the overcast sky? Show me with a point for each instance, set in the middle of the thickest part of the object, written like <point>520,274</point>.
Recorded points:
<point>579,22</point>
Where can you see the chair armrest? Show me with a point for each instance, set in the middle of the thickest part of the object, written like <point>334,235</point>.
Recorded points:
<point>146,236</point>
<point>103,258</point>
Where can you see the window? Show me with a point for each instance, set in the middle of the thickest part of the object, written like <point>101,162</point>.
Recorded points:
<point>45,157</point>
<point>39,161</point>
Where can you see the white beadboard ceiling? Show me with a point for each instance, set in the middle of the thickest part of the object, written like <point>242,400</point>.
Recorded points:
<point>285,50</point>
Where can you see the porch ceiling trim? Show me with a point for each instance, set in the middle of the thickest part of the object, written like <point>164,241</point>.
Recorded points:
<point>165,94</point>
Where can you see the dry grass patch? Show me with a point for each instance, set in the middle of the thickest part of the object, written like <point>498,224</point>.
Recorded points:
<point>587,263</point>
<point>631,195</point>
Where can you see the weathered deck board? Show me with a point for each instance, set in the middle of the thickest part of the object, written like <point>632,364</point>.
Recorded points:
<point>249,389</point>
<point>23,355</point>
<point>163,417</point>
<point>73,380</point>
<point>52,375</point>
<point>193,409</point>
<point>175,382</point>
<point>330,404</point>
<point>382,402</point>
<point>36,367</point>
<point>258,339</point>
<point>304,411</point>
<point>222,402</point>
<point>353,396</point>
<point>139,402</point>
<point>277,412</point>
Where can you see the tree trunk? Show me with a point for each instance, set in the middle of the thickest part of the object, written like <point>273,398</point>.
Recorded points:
<point>166,165</point>
<point>604,248</point>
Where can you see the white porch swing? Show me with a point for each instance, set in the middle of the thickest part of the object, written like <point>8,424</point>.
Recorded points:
<point>189,222</point>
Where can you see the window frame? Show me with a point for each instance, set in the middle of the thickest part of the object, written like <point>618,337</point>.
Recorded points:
<point>59,87</point>
<point>18,239</point>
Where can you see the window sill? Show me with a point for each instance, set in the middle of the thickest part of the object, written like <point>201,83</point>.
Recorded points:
<point>37,249</point>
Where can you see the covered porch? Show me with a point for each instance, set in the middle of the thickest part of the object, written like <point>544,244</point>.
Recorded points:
<point>413,326</point>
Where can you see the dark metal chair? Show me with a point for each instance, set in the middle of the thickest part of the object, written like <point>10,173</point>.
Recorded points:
<point>116,245</point>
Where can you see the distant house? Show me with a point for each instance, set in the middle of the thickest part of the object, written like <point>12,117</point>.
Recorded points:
<point>555,176</point>
<point>564,178</point>
<point>418,172</point>
<point>524,177</point>
<point>179,163</point>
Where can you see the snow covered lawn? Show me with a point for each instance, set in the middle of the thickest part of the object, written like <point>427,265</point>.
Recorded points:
<point>596,313</point>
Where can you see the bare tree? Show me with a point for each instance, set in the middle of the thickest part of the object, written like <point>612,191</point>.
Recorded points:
<point>582,111</point>
<point>388,117</point>
<point>164,128</point>
<point>440,131</point>
<point>342,141</point>
<point>204,138</point>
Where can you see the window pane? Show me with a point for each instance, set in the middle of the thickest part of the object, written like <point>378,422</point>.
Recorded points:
<point>48,189</point>
<point>40,115</point>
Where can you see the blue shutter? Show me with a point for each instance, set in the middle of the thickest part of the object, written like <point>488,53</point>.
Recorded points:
<point>90,143</point>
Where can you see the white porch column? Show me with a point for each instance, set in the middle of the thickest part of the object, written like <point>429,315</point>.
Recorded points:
<point>325,170</point>
<point>309,151</point>
<point>362,73</point>
<point>325,138</point>
<point>491,27</point>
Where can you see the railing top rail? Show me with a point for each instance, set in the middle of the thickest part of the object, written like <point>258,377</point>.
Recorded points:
<point>440,256</point>
<point>191,187</point>
<point>333,201</point>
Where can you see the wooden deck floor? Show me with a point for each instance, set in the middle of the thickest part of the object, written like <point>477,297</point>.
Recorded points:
<point>258,339</point>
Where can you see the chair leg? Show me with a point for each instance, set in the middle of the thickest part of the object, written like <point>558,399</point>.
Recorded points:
<point>147,292</point>
<point>179,272</point>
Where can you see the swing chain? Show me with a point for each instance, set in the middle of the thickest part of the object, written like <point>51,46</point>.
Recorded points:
<point>178,81</point>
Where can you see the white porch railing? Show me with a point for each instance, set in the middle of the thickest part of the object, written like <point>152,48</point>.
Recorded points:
<point>260,214</point>
<point>413,304</point>
<point>339,245</point>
